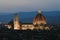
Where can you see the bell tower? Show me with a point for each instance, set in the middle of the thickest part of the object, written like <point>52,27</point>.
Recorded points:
<point>16,22</point>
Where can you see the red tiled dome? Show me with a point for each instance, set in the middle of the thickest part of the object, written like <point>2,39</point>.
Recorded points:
<point>39,17</point>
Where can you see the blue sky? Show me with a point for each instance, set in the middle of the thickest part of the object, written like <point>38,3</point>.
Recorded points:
<point>29,5</point>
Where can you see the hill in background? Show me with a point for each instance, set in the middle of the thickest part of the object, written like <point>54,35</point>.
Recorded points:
<point>52,17</point>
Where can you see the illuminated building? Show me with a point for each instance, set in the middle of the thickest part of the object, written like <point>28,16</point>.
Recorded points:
<point>16,23</point>
<point>39,19</point>
<point>39,22</point>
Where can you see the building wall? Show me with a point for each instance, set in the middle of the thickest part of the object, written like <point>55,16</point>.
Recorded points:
<point>27,26</point>
<point>39,22</point>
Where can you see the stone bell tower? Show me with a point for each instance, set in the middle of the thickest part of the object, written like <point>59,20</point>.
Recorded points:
<point>16,22</point>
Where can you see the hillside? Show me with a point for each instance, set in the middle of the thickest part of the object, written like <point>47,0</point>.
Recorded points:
<point>51,17</point>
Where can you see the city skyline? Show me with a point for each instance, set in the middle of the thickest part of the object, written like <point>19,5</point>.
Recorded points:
<point>29,19</point>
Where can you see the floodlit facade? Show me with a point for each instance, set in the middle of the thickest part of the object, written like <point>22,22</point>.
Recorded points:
<point>39,22</point>
<point>16,22</point>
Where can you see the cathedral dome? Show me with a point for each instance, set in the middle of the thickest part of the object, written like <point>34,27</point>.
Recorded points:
<point>39,18</point>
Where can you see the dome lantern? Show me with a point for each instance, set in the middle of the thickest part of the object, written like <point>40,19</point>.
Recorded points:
<point>39,11</point>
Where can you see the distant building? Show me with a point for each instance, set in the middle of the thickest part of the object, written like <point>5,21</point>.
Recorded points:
<point>16,23</point>
<point>39,22</point>
<point>39,19</point>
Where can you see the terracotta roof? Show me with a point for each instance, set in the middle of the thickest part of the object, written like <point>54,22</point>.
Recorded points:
<point>39,17</point>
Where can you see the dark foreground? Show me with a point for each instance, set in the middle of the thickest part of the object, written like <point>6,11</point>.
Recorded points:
<point>29,35</point>
<point>10,34</point>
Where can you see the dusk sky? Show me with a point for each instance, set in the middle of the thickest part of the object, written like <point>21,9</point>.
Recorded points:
<point>29,5</point>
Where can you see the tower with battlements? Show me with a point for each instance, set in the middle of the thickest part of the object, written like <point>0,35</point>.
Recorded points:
<point>16,22</point>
